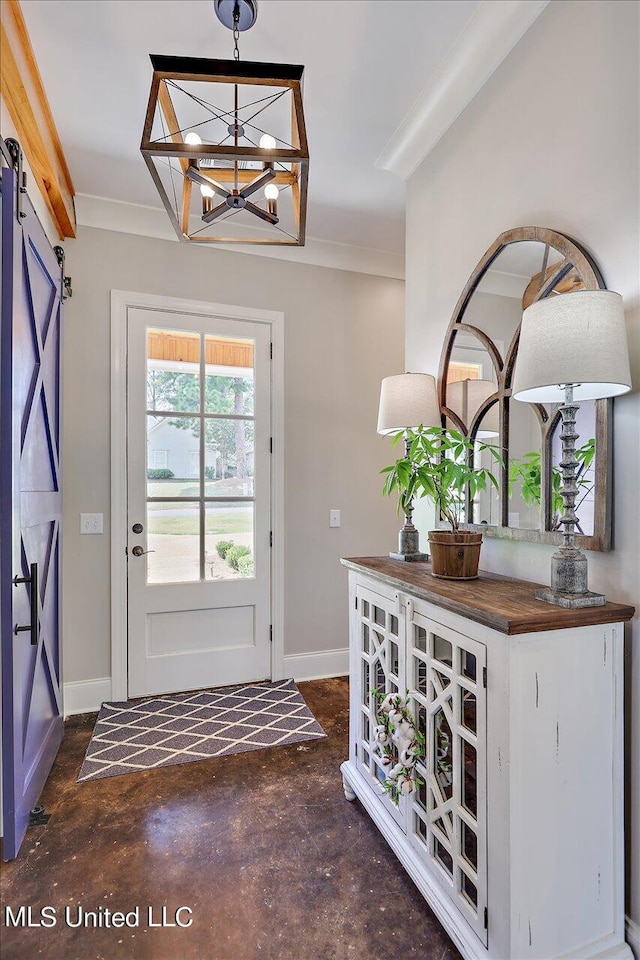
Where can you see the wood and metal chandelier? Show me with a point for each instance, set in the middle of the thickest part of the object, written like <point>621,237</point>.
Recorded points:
<point>226,145</point>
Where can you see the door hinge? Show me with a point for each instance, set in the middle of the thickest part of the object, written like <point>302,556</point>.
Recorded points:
<point>271,351</point>
<point>484,677</point>
<point>270,538</point>
<point>270,633</point>
<point>356,603</point>
<point>486,919</point>
<point>270,444</point>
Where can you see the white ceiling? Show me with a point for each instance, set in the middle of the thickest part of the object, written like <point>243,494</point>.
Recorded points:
<point>366,62</point>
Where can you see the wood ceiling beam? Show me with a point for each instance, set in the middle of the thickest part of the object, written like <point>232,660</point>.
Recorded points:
<point>23,92</point>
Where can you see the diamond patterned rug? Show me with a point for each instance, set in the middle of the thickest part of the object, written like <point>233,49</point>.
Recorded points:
<point>183,727</point>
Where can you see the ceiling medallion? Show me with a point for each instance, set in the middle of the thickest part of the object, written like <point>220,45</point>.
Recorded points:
<point>226,144</point>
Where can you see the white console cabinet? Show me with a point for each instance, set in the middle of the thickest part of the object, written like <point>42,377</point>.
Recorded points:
<point>515,839</point>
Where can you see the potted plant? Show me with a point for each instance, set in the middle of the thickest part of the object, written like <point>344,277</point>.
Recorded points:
<point>440,464</point>
<point>527,474</point>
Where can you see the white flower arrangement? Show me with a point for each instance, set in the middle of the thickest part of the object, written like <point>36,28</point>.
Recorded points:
<point>398,743</point>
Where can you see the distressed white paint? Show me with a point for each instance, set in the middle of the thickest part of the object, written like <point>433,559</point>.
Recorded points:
<point>554,803</point>
<point>495,169</point>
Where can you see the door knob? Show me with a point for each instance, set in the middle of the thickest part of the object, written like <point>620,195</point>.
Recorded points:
<point>140,552</point>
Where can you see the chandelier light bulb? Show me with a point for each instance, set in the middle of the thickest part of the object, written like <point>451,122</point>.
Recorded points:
<point>192,139</point>
<point>207,191</point>
<point>271,191</point>
<point>267,142</point>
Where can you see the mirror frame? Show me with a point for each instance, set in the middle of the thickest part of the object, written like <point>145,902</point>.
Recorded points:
<point>575,260</point>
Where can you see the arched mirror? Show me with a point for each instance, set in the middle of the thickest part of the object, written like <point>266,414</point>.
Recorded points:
<point>476,371</point>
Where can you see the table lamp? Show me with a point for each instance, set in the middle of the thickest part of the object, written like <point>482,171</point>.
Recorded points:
<point>572,347</point>
<point>408,401</point>
<point>465,397</point>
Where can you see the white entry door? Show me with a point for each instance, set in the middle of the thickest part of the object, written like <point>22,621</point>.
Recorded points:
<point>198,501</point>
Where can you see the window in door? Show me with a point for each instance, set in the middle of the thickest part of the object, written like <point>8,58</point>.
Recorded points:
<point>201,422</point>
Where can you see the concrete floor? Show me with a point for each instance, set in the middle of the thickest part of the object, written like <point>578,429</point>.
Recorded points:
<point>273,861</point>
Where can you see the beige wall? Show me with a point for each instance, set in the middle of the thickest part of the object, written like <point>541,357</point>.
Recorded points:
<point>552,139</point>
<point>343,333</point>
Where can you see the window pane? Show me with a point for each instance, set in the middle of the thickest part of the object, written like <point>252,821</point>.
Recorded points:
<point>394,657</point>
<point>173,371</point>
<point>442,650</point>
<point>173,533</point>
<point>177,439</point>
<point>229,458</point>
<point>468,664</point>
<point>229,384</point>
<point>443,856</point>
<point>469,889</point>
<point>420,676</point>
<point>229,548</point>
<point>469,778</point>
<point>443,754</point>
<point>469,842</point>
<point>468,709</point>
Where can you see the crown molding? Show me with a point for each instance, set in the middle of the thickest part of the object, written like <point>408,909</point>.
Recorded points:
<point>144,221</point>
<point>492,32</point>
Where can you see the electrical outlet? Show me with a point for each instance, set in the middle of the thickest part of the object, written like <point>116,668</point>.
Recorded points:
<point>91,522</point>
<point>334,518</point>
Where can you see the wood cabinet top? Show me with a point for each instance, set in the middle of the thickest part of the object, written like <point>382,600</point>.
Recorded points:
<point>504,604</point>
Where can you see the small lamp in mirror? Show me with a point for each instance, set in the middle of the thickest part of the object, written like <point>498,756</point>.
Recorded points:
<point>572,347</point>
<point>465,397</point>
<point>408,401</point>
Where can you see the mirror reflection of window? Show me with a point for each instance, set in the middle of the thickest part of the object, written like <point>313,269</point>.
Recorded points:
<point>585,472</point>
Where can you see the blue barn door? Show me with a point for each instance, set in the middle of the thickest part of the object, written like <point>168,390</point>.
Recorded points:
<point>30,508</point>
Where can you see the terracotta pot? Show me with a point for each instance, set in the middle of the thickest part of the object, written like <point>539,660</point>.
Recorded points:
<point>455,556</point>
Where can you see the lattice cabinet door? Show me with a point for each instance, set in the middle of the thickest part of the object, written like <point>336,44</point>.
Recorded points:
<point>447,813</point>
<point>380,625</point>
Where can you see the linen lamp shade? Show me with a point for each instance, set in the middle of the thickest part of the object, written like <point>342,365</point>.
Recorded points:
<point>465,397</point>
<point>574,338</point>
<point>407,401</point>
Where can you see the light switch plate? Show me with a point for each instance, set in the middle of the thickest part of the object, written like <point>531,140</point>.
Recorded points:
<point>334,518</point>
<point>91,522</point>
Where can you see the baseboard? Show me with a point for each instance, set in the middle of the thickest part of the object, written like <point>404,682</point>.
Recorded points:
<point>317,666</point>
<point>633,936</point>
<point>86,696</point>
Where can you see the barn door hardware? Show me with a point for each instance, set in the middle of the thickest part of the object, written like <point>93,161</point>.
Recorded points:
<point>33,627</point>
<point>67,292</point>
<point>15,161</point>
<point>38,817</point>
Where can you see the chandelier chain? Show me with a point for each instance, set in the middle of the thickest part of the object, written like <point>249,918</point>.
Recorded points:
<point>236,31</point>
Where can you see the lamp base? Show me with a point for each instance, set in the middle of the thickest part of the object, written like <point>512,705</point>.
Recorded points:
<point>571,601</point>
<point>408,557</point>
<point>408,544</point>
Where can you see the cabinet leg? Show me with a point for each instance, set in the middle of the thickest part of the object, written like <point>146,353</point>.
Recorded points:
<point>348,791</point>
